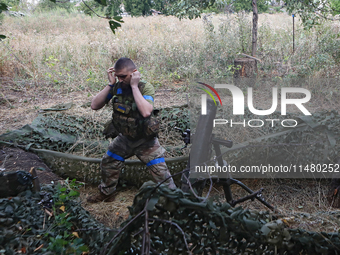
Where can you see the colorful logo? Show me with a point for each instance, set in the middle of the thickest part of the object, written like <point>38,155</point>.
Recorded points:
<point>209,93</point>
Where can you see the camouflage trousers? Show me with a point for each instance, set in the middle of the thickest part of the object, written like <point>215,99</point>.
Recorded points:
<point>150,152</point>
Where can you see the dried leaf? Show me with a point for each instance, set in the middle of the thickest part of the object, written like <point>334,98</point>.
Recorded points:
<point>335,192</point>
<point>286,222</point>
<point>75,234</point>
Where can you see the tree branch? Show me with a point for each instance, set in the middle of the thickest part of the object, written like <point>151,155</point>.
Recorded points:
<point>94,11</point>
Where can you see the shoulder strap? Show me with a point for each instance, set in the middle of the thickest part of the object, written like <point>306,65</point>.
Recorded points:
<point>115,88</point>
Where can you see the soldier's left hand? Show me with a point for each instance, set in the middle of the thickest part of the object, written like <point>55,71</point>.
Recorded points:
<point>135,77</point>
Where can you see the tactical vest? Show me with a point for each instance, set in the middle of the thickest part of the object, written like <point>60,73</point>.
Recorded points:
<point>126,117</point>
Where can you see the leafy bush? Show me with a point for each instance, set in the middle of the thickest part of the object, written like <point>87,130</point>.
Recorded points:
<point>48,5</point>
<point>29,225</point>
<point>95,6</point>
<point>246,5</point>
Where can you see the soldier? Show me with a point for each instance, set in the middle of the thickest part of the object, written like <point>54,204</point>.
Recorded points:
<point>135,126</point>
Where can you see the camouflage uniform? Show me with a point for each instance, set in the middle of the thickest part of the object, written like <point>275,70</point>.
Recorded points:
<point>134,138</point>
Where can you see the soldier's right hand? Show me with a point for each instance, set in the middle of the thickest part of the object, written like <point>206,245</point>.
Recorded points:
<point>111,77</point>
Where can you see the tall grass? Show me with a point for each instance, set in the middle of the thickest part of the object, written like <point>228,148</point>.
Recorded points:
<point>71,51</point>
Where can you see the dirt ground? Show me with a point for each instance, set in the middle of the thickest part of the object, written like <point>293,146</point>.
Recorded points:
<point>300,203</point>
<point>14,159</point>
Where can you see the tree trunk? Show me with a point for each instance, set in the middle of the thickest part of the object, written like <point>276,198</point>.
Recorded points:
<point>245,70</point>
<point>254,32</point>
<point>245,67</point>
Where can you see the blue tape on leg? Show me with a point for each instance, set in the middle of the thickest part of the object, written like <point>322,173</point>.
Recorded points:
<point>156,161</point>
<point>115,156</point>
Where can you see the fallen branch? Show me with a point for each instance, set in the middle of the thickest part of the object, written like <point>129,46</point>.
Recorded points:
<point>248,56</point>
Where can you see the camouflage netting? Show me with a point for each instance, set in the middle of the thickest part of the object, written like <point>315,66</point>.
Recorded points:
<point>25,226</point>
<point>82,135</point>
<point>73,145</point>
<point>177,222</point>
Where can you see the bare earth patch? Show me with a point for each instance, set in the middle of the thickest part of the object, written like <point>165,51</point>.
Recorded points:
<point>14,159</point>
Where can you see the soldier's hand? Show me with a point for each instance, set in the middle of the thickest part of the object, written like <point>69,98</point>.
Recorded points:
<point>135,77</point>
<point>111,75</point>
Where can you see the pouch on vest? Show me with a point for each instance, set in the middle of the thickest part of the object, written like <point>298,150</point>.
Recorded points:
<point>122,108</point>
<point>109,130</point>
<point>133,127</point>
<point>151,126</point>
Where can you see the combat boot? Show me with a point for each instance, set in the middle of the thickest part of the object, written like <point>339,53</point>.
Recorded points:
<point>101,197</point>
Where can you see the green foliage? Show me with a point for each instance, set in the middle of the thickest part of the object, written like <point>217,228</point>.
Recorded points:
<point>115,23</point>
<point>95,6</point>
<point>102,8</point>
<point>29,223</point>
<point>312,12</point>
<point>49,5</point>
<point>245,28</point>
<point>179,8</point>
<point>66,192</point>
<point>237,6</point>
<point>63,240</point>
<point>246,5</point>
<point>13,4</point>
<point>188,8</point>
<point>3,7</point>
<point>335,6</point>
<point>102,2</point>
<point>138,8</point>
<point>174,117</point>
<point>113,9</point>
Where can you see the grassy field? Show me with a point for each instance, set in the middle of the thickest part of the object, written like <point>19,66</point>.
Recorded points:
<point>58,57</point>
<point>70,51</point>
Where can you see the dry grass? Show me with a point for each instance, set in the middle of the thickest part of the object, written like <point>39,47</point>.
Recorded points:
<point>301,203</point>
<point>71,51</point>
<point>111,214</point>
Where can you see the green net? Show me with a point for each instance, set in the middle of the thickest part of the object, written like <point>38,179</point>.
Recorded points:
<point>73,145</point>
<point>179,222</point>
